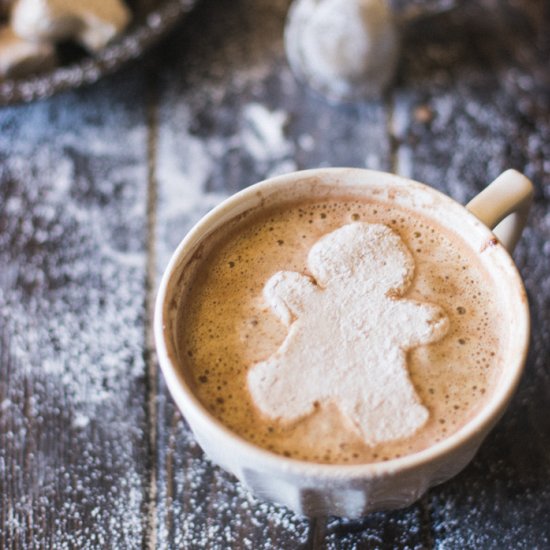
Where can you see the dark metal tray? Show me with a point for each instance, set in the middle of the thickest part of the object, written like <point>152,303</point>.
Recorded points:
<point>151,21</point>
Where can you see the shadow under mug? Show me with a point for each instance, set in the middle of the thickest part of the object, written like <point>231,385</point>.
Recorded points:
<point>353,490</point>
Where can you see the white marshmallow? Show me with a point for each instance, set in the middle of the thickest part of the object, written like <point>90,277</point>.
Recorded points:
<point>348,336</point>
<point>346,49</point>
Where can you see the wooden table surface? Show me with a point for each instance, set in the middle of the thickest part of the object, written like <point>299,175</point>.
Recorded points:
<point>97,187</point>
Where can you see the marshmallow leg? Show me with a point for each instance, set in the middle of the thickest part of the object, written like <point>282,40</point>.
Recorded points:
<point>394,417</point>
<point>268,383</point>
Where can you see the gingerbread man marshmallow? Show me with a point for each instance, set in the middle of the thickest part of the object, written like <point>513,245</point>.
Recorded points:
<point>349,333</point>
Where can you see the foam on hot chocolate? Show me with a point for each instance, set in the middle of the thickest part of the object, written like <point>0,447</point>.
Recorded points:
<point>226,327</point>
<point>349,334</point>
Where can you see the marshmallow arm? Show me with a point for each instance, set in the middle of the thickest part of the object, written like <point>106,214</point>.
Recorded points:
<point>421,323</point>
<point>287,293</point>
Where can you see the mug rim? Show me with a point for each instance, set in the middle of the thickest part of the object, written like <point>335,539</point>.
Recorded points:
<point>262,459</point>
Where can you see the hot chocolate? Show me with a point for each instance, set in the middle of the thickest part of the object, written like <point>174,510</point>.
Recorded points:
<point>226,328</point>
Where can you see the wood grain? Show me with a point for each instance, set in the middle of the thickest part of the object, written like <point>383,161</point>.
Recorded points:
<point>485,84</point>
<point>73,452</point>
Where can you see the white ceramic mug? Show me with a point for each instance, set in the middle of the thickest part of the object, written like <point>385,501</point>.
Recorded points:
<point>354,490</point>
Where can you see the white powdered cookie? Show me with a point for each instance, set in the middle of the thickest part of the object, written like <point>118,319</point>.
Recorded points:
<point>19,57</point>
<point>92,23</point>
<point>349,332</point>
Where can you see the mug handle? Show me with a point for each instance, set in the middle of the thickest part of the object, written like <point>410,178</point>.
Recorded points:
<point>503,206</point>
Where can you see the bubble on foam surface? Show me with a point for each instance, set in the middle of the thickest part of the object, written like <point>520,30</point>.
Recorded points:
<point>228,328</point>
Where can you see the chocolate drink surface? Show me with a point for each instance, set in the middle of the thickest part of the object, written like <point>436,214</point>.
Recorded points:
<point>225,328</point>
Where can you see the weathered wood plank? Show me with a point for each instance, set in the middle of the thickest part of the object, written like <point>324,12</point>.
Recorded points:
<point>231,114</point>
<point>218,63</point>
<point>475,91</point>
<point>73,445</point>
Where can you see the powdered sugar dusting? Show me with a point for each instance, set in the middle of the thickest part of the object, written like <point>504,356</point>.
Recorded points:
<point>189,166</point>
<point>71,318</point>
<point>263,137</point>
<point>489,113</point>
<point>207,506</point>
